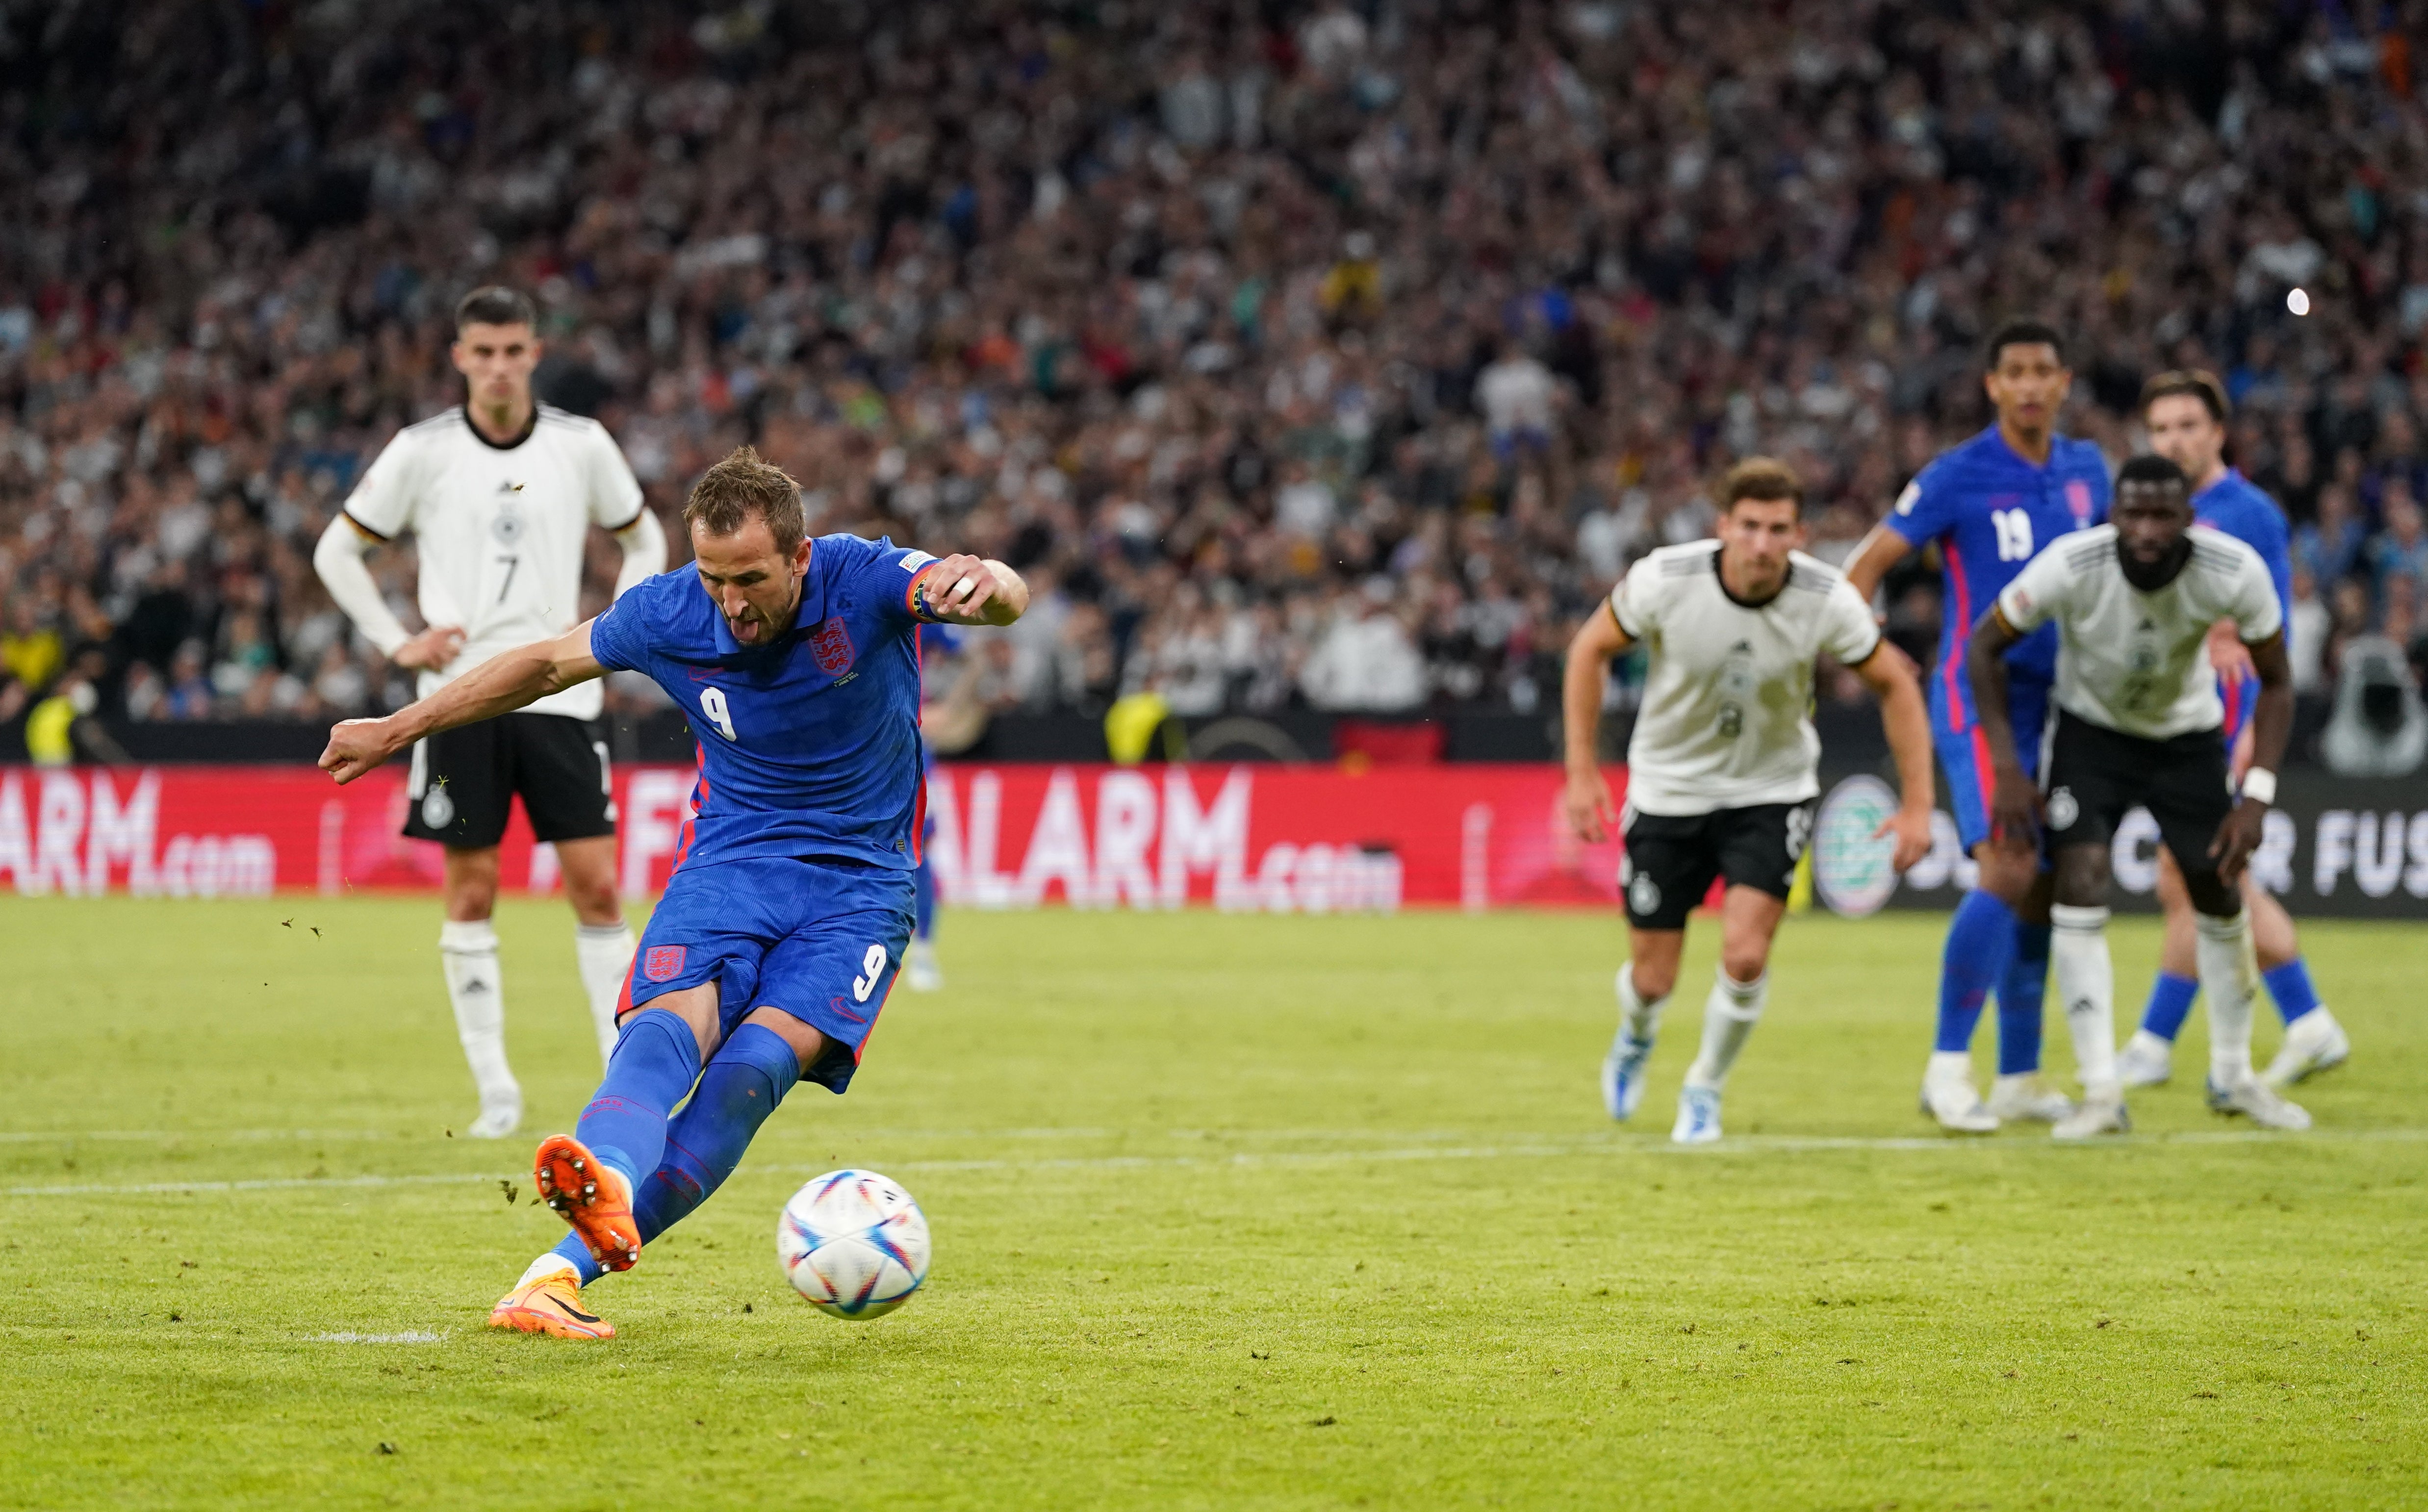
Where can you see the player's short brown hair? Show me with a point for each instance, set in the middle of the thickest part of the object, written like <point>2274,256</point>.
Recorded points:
<point>496,304</point>
<point>2198,382</point>
<point>744,485</point>
<point>1764,478</point>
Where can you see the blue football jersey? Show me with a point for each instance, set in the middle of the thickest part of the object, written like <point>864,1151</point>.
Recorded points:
<point>2242,509</point>
<point>1990,512</point>
<point>809,747</point>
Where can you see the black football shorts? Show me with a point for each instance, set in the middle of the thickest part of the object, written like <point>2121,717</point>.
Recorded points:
<point>1672,858</point>
<point>2094,776</point>
<point>463,780</point>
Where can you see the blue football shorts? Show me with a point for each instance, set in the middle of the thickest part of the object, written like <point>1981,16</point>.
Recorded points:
<point>820,939</point>
<point>1964,757</point>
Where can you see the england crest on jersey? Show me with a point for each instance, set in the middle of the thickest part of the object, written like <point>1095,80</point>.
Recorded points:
<point>830,643</point>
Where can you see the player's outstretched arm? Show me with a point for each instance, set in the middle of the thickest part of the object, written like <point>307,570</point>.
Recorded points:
<point>2014,803</point>
<point>1591,813</point>
<point>967,590</point>
<point>1891,678</point>
<point>2271,729</point>
<point>499,686</point>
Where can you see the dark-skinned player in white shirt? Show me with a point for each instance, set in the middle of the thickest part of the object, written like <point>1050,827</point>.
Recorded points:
<point>2139,723</point>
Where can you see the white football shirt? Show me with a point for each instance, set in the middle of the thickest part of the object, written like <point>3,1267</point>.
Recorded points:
<point>500,530</point>
<point>1726,721</point>
<point>2135,662</point>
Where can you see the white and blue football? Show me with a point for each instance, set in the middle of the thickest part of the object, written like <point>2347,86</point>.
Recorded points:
<point>853,1243</point>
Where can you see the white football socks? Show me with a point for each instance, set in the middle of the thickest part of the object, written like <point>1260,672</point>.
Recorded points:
<point>548,1265</point>
<point>1728,1015</point>
<point>604,953</point>
<point>2086,983</point>
<point>1641,1019</point>
<point>2229,975</point>
<point>468,951</point>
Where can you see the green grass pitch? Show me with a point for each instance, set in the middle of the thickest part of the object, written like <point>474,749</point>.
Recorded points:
<point>1229,1213</point>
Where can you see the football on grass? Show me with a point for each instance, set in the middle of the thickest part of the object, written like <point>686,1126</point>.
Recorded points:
<point>854,1243</point>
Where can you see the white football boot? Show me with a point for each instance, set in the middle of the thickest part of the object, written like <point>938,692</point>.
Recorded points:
<point>2024,1098</point>
<point>1622,1074</point>
<point>499,1118</point>
<point>2146,1060</point>
<point>1698,1116</point>
<point>2313,1042</point>
<point>2255,1100</point>
<point>2096,1115</point>
<point>1948,1094</point>
<point>920,972</point>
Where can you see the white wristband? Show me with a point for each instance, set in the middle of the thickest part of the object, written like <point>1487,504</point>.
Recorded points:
<point>2260,786</point>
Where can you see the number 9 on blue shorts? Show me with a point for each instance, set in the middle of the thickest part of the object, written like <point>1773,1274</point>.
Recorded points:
<point>819,940</point>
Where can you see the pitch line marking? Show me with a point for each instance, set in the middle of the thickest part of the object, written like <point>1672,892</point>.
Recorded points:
<point>1644,1144</point>
<point>411,1336</point>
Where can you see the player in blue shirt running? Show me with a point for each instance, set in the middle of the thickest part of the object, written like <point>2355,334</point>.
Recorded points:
<point>2186,413</point>
<point>782,928</point>
<point>1989,504</point>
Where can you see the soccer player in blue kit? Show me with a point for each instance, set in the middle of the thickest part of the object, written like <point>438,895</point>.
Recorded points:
<point>2186,414</point>
<point>1989,504</point>
<point>790,907</point>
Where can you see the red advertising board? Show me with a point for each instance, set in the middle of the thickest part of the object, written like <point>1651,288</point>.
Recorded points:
<point>1284,838</point>
<point>1263,836</point>
<point>1277,838</point>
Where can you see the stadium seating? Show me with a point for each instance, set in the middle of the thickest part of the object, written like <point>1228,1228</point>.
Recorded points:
<point>1339,363</point>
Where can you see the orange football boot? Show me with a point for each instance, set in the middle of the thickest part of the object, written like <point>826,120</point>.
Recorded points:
<point>551,1305</point>
<point>590,1196</point>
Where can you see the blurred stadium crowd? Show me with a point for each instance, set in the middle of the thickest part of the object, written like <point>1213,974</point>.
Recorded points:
<point>1341,355</point>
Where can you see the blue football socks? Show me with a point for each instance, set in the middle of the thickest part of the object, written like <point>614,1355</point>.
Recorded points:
<point>2021,989</point>
<point>574,1253</point>
<point>2170,998</point>
<point>2290,985</point>
<point>654,1064</point>
<point>1979,939</point>
<point>2171,1003</point>
<point>743,1081</point>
